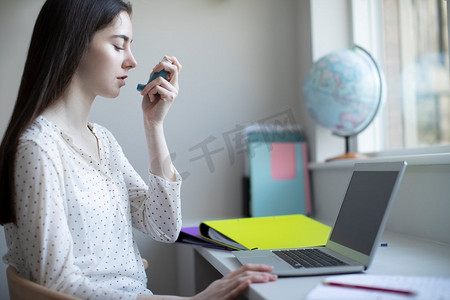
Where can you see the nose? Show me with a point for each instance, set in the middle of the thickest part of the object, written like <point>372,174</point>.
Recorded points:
<point>130,62</point>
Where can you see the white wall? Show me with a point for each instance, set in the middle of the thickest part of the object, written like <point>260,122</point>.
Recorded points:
<point>240,65</point>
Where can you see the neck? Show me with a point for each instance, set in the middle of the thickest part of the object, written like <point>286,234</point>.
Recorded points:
<point>71,111</point>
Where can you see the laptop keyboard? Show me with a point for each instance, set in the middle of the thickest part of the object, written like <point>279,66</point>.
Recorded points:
<point>308,258</point>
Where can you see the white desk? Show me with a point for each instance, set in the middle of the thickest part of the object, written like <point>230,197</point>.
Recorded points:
<point>404,255</point>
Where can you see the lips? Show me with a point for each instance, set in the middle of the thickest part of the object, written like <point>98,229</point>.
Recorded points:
<point>122,79</point>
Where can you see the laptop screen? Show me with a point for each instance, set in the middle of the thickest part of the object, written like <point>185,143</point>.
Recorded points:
<point>363,209</point>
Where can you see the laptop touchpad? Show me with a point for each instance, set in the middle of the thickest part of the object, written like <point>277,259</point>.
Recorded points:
<point>267,260</point>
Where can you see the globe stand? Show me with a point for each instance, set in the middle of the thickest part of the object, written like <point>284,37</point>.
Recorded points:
<point>347,154</point>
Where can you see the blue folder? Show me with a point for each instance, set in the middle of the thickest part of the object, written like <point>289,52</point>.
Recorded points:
<point>279,177</point>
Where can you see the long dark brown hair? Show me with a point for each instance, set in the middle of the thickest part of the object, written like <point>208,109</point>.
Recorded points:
<point>60,37</point>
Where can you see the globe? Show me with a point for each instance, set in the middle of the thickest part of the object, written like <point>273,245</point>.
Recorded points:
<point>343,91</point>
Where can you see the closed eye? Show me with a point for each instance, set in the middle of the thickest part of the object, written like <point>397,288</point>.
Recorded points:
<point>118,48</point>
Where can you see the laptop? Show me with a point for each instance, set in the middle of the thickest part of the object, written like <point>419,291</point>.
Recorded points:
<point>356,233</point>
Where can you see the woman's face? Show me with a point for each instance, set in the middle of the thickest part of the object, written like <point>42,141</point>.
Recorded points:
<point>105,65</point>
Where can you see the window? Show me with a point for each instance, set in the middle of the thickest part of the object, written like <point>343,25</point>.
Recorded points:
<point>409,38</point>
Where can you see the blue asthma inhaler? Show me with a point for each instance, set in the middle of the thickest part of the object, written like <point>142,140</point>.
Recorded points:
<point>162,73</point>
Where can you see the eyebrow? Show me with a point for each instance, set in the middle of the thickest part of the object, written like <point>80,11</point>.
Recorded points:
<point>122,36</point>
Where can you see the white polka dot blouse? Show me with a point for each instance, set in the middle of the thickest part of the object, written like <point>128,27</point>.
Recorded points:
<point>75,215</point>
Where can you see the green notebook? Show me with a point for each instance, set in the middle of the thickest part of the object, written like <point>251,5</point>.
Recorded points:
<point>274,232</point>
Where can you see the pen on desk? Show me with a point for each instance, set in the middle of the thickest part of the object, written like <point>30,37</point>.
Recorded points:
<point>370,288</point>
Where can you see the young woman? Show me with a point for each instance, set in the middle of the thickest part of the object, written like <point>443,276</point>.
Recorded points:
<point>69,196</point>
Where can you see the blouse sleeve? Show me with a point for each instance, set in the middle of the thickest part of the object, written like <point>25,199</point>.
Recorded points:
<point>157,213</point>
<point>156,208</point>
<point>42,226</point>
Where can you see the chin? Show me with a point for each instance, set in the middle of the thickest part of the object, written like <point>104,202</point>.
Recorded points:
<point>111,95</point>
